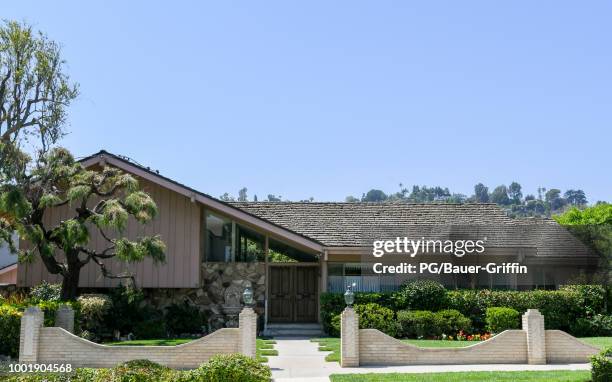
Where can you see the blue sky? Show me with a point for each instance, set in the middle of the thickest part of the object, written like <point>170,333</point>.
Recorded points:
<point>328,99</point>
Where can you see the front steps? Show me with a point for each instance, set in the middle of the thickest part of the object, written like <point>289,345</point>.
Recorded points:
<point>293,330</point>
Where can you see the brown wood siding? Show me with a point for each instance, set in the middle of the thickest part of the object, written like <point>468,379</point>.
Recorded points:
<point>178,223</point>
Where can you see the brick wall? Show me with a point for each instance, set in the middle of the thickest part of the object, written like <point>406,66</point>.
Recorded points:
<point>564,348</point>
<point>532,345</point>
<point>377,348</point>
<point>56,345</point>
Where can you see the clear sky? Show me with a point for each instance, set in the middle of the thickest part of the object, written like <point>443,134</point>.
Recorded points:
<point>332,98</point>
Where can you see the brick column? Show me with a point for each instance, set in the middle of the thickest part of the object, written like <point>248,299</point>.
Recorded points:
<point>247,323</point>
<point>533,325</point>
<point>349,338</point>
<point>29,335</point>
<point>64,318</point>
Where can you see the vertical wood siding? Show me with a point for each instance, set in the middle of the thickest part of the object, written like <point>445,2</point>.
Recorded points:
<point>178,224</point>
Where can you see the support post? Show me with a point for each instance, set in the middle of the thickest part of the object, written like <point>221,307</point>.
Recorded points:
<point>64,318</point>
<point>247,323</point>
<point>31,325</point>
<point>349,338</point>
<point>533,325</point>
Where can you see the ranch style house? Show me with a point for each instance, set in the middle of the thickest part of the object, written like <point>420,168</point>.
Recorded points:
<point>292,252</point>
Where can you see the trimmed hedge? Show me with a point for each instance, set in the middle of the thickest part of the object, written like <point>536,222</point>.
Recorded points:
<point>561,308</point>
<point>427,324</point>
<point>10,323</point>
<point>371,316</point>
<point>499,319</point>
<point>601,366</point>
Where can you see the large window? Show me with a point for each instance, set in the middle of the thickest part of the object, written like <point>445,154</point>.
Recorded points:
<point>226,241</point>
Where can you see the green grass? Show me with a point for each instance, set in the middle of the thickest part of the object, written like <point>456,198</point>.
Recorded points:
<point>265,348</point>
<point>480,376</point>
<point>333,344</point>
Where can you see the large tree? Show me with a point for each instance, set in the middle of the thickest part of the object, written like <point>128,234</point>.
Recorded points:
<point>36,176</point>
<point>97,201</point>
<point>593,226</point>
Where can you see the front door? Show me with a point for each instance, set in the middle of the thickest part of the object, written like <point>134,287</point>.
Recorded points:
<point>293,293</point>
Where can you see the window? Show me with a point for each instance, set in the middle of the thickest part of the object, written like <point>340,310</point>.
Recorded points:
<point>218,238</point>
<point>250,245</point>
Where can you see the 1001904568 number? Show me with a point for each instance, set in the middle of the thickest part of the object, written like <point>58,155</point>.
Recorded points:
<point>40,368</point>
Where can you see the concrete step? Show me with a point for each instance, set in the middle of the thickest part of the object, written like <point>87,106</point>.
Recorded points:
<point>293,330</point>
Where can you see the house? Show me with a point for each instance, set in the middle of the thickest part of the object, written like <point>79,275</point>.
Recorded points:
<point>292,252</point>
<point>8,264</point>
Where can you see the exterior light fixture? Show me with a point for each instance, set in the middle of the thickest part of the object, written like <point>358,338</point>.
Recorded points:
<point>247,295</point>
<point>349,295</point>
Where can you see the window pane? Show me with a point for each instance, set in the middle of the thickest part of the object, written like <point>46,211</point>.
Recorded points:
<point>249,245</point>
<point>218,238</point>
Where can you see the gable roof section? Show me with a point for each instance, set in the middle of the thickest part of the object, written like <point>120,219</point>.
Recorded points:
<point>358,224</point>
<point>104,158</point>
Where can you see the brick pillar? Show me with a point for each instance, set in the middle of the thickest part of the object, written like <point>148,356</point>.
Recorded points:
<point>349,338</point>
<point>29,335</point>
<point>247,323</point>
<point>64,318</point>
<point>533,325</point>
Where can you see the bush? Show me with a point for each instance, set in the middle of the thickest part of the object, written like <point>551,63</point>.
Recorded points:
<point>93,309</point>
<point>421,295</point>
<point>128,310</point>
<point>152,328</point>
<point>184,319</point>
<point>332,305</point>
<point>374,316</point>
<point>454,322</point>
<point>10,322</point>
<point>499,319</point>
<point>46,292</point>
<point>601,366</point>
<point>420,324</point>
<point>598,325</point>
<point>233,368</point>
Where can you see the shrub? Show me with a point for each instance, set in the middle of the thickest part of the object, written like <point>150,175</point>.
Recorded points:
<point>420,324</point>
<point>46,292</point>
<point>93,309</point>
<point>233,368</point>
<point>597,325</point>
<point>499,319</point>
<point>374,316</point>
<point>128,309</point>
<point>453,322</point>
<point>332,305</point>
<point>421,295</point>
<point>152,328</point>
<point>184,318</point>
<point>10,321</point>
<point>140,370</point>
<point>592,298</point>
<point>601,366</point>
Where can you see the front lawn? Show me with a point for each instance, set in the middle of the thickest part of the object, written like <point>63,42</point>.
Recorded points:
<point>265,348</point>
<point>333,344</point>
<point>480,376</point>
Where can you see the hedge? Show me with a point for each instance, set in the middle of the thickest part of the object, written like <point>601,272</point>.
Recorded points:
<point>561,308</point>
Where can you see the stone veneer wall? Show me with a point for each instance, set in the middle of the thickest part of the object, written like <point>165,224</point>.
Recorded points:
<point>216,278</point>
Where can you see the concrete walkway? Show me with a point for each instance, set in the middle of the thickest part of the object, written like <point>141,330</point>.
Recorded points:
<point>300,360</point>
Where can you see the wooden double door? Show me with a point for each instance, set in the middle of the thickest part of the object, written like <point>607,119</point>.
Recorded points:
<point>293,293</point>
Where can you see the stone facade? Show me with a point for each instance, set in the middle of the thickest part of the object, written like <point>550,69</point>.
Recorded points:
<point>221,282</point>
<point>55,345</point>
<point>532,345</point>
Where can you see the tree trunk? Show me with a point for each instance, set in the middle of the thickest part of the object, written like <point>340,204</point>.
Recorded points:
<point>70,282</point>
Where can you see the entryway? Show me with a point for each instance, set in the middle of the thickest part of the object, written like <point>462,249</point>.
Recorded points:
<point>293,293</point>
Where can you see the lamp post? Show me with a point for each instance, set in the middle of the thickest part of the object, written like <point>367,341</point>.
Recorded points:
<point>349,295</point>
<point>247,295</point>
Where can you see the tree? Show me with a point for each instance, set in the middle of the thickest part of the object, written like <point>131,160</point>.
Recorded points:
<point>101,201</point>
<point>481,193</point>
<point>575,197</point>
<point>593,226</point>
<point>374,196</point>
<point>515,193</point>
<point>554,199</point>
<point>351,199</point>
<point>242,195</point>
<point>226,197</point>
<point>274,198</point>
<point>35,92</point>
<point>500,195</point>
